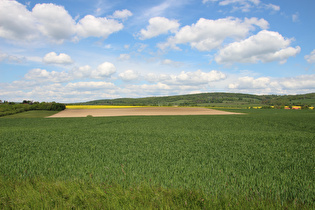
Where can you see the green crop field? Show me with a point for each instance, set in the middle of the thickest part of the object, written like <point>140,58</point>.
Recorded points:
<point>263,159</point>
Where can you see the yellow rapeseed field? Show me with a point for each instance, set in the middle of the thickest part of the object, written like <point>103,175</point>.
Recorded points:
<point>98,107</point>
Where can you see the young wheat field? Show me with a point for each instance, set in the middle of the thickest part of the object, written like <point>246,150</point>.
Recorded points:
<point>261,159</point>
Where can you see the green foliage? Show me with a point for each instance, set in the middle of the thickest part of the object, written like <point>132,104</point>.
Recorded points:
<point>214,99</point>
<point>32,114</point>
<point>263,158</point>
<point>9,109</point>
<point>79,194</point>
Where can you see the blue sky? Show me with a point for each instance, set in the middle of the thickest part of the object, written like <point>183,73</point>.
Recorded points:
<point>79,50</point>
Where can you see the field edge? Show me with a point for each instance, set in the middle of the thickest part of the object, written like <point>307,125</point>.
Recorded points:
<point>43,193</point>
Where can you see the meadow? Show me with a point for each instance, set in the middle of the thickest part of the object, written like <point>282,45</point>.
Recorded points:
<point>263,159</point>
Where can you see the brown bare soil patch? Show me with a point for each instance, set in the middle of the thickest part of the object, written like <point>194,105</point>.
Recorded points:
<point>140,111</point>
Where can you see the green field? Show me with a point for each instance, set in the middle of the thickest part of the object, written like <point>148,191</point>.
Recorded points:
<point>32,114</point>
<point>264,159</point>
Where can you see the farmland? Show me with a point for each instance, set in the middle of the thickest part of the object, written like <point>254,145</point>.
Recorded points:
<point>99,107</point>
<point>95,111</point>
<point>264,159</point>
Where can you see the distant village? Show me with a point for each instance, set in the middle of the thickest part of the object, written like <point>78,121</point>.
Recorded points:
<point>285,107</point>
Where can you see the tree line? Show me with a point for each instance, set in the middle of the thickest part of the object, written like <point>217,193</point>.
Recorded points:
<point>208,99</point>
<point>8,108</point>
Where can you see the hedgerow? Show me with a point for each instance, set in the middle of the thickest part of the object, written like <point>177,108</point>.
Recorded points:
<point>13,108</point>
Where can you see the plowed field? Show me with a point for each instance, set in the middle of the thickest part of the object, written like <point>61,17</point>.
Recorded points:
<point>140,111</point>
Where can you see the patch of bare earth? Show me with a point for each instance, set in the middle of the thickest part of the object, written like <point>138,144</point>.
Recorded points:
<point>140,111</point>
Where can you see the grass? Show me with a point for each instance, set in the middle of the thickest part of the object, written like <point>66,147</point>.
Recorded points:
<point>77,194</point>
<point>32,114</point>
<point>264,159</point>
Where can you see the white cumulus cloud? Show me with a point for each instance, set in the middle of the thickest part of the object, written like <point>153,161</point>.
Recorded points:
<point>16,22</point>
<point>158,26</point>
<point>187,78</point>
<point>42,76</point>
<point>53,58</point>
<point>199,77</point>
<point>266,46</point>
<point>129,75</point>
<point>268,85</point>
<point>207,34</point>
<point>104,70</point>
<point>251,83</point>
<point>52,22</point>
<point>301,82</point>
<point>81,72</point>
<point>97,27</point>
<point>90,85</point>
<point>55,22</point>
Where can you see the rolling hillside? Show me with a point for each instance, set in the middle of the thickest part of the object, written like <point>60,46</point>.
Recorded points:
<point>214,100</point>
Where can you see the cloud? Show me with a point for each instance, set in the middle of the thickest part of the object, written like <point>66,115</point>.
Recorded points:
<point>155,87</point>
<point>164,8</point>
<point>176,84</point>
<point>129,75</point>
<point>266,46</point>
<point>53,58</point>
<point>158,10</point>
<point>4,57</point>
<point>97,27</point>
<point>198,77</point>
<point>171,63</point>
<point>251,83</point>
<point>90,85</point>
<point>104,70</point>
<point>272,7</point>
<point>124,57</point>
<point>122,14</point>
<point>54,21</point>
<point>244,5</point>
<point>141,47</point>
<point>17,23</point>
<point>311,57</point>
<point>43,76</point>
<point>205,1</point>
<point>207,35</point>
<point>187,78</point>
<point>295,17</point>
<point>306,82</point>
<point>267,85</point>
<point>70,92</point>
<point>158,26</point>
<point>81,72</point>
<point>42,85</point>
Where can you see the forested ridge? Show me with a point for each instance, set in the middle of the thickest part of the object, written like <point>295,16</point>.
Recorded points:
<point>214,99</point>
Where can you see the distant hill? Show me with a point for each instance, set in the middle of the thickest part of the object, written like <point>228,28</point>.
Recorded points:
<point>213,100</point>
